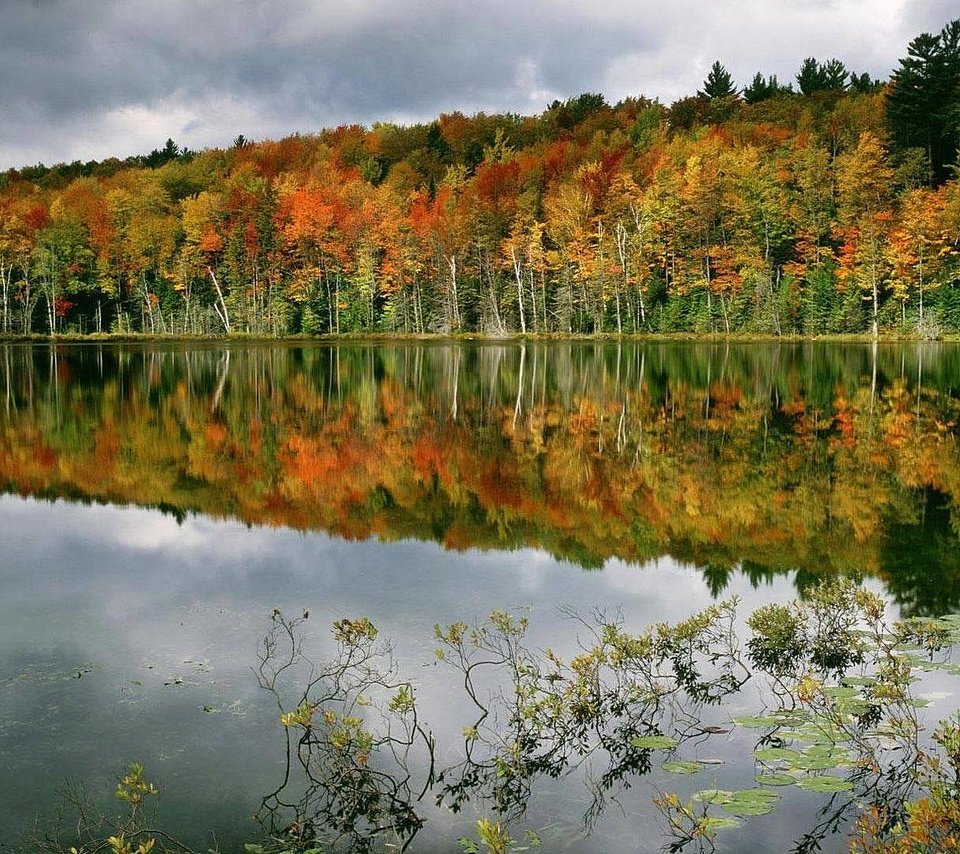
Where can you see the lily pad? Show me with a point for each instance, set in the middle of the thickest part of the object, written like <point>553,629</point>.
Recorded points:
<point>654,742</point>
<point>747,808</point>
<point>682,766</point>
<point>825,783</point>
<point>776,754</point>
<point>841,692</point>
<point>713,796</point>
<point>749,802</point>
<point>718,822</point>
<point>775,779</point>
<point>757,721</point>
<point>813,763</point>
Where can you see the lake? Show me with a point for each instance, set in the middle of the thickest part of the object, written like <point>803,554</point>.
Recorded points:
<point>163,502</point>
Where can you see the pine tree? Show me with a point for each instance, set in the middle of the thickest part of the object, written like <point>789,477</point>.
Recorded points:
<point>923,108</point>
<point>761,88</point>
<point>829,76</point>
<point>719,83</point>
<point>810,77</point>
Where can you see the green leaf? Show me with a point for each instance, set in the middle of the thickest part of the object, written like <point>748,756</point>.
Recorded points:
<point>859,681</point>
<point>775,754</point>
<point>749,802</point>
<point>755,795</point>
<point>757,721</point>
<point>841,692</point>
<point>718,822</point>
<point>775,779</point>
<point>825,783</point>
<point>654,742</point>
<point>797,735</point>
<point>747,808</point>
<point>813,763</point>
<point>713,796</point>
<point>682,766</point>
<point>855,706</point>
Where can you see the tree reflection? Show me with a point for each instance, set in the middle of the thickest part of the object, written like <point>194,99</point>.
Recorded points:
<point>810,459</point>
<point>841,719</point>
<point>352,736</point>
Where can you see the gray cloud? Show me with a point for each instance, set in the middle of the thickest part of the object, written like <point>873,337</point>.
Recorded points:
<point>90,78</point>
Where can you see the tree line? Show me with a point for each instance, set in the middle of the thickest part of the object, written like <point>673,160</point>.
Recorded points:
<point>834,208</point>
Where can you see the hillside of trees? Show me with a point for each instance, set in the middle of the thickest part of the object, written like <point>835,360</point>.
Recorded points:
<point>827,205</point>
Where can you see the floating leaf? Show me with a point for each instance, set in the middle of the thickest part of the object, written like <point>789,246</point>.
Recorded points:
<point>825,783</point>
<point>827,751</point>
<point>682,766</point>
<point>747,808</point>
<point>750,802</point>
<point>775,779</point>
<point>797,735</point>
<point>841,692</point>
<point>713,796</point>
<point>813,763</point>
<point>775,754</point>
<point>853,707</point>
<point>718,822</point>
<point>757,721</point>
<point>654,742</point>
<point>755,795</point>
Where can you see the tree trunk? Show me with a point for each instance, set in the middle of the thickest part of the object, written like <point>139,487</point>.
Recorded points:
<point>221,310</point>
<point>518,274</point>
<point>454,310</point>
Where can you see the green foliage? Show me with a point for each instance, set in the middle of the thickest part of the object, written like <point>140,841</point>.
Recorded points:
<point>814,76</point>
<point>718,83</point>
<point>924,98</point>
<point>763,88</point>
<point>496,839</point>
<point>133,788</point>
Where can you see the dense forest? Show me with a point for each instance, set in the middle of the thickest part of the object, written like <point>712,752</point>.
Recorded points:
<point>827,205</point>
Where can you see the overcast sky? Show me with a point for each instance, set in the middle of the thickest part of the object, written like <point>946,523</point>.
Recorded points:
<point>93,78</point>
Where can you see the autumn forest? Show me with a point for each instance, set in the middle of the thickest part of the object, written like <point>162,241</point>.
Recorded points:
<point>826,205</point>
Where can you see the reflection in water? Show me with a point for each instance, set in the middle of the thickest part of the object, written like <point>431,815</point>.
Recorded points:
<point>840,719</point>
<point>763,458</point>
<point>354,737</point>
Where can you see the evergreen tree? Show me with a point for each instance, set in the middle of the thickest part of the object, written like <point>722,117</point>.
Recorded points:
<point>761,88</point>
<point>923,108</point>
<point>835,73</point>
<point>719,83</point>
<point>864,83</point>
<point>810,77</point>
<point>816,76</point>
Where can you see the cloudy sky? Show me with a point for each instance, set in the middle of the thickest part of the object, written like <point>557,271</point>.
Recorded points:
<point>92,78</point>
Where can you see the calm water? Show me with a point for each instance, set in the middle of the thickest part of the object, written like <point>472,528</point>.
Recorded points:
<point>160,501</point>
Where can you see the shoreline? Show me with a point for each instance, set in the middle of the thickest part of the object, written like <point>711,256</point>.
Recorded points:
<point>387,337</point>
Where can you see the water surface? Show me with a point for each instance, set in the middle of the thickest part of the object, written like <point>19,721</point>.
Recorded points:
<point>160,501</point>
